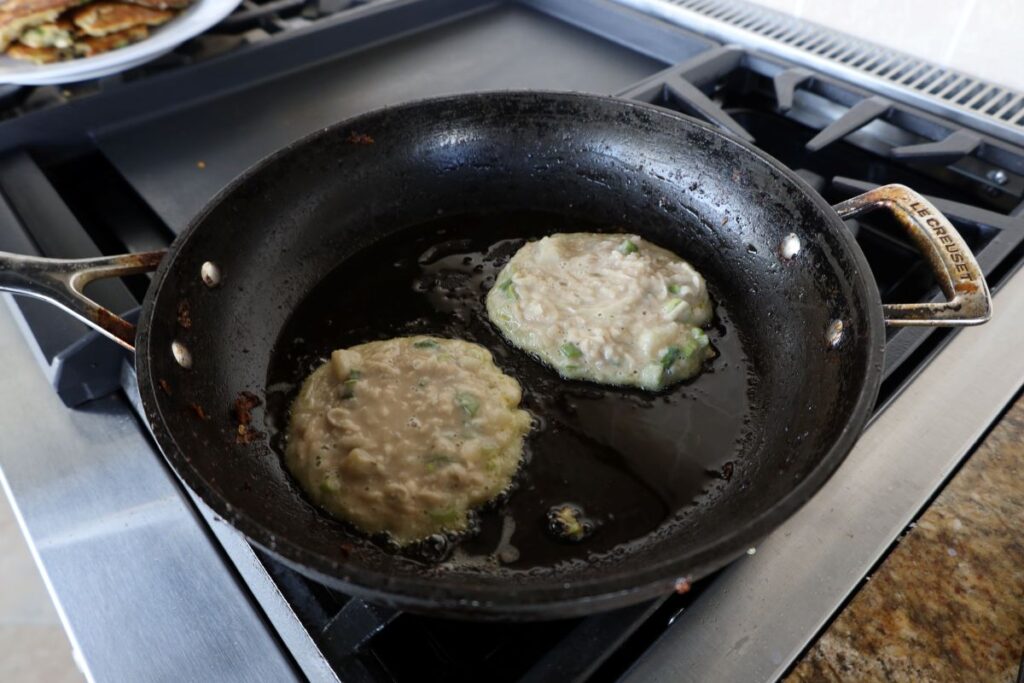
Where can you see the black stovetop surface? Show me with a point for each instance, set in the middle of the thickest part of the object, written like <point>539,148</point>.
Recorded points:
<point>124,163</point>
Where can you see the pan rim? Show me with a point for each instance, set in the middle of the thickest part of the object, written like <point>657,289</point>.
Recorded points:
<point>507,600</point>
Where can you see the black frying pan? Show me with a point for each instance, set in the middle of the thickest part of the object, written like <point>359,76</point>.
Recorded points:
<point>463,180</point>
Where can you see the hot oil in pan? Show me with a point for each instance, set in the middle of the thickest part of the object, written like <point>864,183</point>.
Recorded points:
<point>629,459</point>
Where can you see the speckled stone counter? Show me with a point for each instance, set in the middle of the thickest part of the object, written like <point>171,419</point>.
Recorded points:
<point>948,603</point>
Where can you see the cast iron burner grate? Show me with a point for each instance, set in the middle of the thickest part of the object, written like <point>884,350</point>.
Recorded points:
<point>66,196</point>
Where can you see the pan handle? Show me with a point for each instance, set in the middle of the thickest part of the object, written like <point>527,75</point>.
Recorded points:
<point>959,275</point>
<point>62,282</point>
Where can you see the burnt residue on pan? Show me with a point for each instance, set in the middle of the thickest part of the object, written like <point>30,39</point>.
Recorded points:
<point>628,459</point>
<point>244,404</point>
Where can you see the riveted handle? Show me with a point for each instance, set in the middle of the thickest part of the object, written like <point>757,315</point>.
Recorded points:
<point>62,282</point>
<point>957,271</point>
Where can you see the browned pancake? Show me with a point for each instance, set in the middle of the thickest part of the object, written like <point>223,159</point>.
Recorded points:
<point>59,34</point>
<point>21,7</point>
<point>18,15</point>
<point>12,26</point>
<point>103,18</point>
<point>39,55</point>
<point>94,45</point>
<point>162,4</point>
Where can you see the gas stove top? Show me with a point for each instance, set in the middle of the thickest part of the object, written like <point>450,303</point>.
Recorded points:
<point>151,585</point>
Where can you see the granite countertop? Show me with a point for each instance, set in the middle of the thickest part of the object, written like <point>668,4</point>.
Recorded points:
<point>947,604</point>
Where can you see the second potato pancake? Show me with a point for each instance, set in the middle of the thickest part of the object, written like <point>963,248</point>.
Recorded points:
<point>612,309</point>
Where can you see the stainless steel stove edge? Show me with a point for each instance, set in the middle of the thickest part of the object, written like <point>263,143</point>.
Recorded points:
<point>143,592</point>
<point>253,572</point>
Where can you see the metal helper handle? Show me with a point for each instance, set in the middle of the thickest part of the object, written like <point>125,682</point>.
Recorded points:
<point>62,282</point>
<point>956,269</point>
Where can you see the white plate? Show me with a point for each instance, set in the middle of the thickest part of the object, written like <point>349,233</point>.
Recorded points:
<point>200,16</point>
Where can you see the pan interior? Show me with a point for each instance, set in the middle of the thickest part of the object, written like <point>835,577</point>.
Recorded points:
<point>629,459</point>
<point>506,166</point>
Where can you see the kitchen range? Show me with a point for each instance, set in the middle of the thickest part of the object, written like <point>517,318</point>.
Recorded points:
<point>152,584</point>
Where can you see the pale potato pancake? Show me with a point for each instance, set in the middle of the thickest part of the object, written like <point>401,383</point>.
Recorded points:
<point>608,308</point>
<point>406,436</point>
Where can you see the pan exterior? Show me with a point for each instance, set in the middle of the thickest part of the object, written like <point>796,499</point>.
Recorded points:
<point>286,223</point>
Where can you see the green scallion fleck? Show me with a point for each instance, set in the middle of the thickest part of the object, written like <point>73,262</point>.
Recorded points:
<point>491,459</point>
<point>330,485</point>
<point>700,336</point>
<point>628,247</point>
<point>436,461</point>
<point>670,356</point>
<point>468,402</point>
<point>348,387</point>
<point>445,516</point>
<point>673,289</point>
<point>671,304</point>
<point>573,528</point>
<point>570,350</point>
<point>425,344</point>
<point>509,288</point>
<point>566,523</point>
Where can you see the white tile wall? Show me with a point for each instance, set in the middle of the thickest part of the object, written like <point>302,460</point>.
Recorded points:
<point>991,43</point>
<point>980,37</point>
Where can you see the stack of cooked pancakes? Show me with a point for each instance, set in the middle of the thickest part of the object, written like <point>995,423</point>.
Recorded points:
<point>45,31</point>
